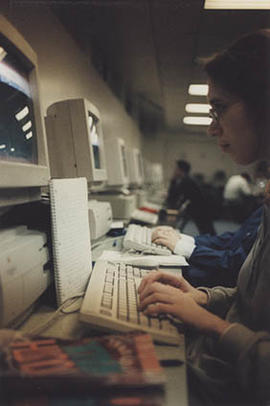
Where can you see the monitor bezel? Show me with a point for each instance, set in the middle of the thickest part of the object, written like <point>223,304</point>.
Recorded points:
<point>18,174</point>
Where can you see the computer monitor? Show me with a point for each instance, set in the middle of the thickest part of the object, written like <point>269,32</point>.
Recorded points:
<point>157,171</point>
<point>154,173</point>
<point>135,167</point>
<point>23,150</point>
<point>116,160</point>
<point>75,140</point>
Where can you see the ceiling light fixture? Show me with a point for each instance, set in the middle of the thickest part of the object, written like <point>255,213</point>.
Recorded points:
<point>237,4</point>
<point>22,113</point>
<point>198,90</point>
<point>27,125</point>
<point>189,120</point>
<point>197,108</point>
<point>29,135</point>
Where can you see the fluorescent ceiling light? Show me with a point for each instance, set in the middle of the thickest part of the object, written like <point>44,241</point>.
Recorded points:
<point>27,126</point>
<point>12,149</point>
<point>2,146</point>
<point>237,4</point>
<point>29,135</point>
<point>198,90</point>
<point>197,108</point>
<point>197,120</point>
<point>22,113</point>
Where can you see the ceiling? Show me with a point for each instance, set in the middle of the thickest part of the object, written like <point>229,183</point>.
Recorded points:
<point>147,50</point>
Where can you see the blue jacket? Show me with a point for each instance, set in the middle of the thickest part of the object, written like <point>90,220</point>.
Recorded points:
<point>216,260</point>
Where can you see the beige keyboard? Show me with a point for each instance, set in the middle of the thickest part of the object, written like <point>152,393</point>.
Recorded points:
<point>111,303</point>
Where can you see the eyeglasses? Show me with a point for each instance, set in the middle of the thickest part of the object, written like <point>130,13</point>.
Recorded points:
<point>216,112</point>
<point>214,115</point>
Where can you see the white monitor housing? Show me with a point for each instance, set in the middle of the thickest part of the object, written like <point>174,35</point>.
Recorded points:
<point>135,167</point>
<point>116,160</point>
<point>23,149</point>
<point>75,141</point>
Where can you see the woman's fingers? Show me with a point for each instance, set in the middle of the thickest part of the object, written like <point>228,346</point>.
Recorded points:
<point>156,297</point>
<point>156,308</point>
<point>150,278</point>
<point>158,276</point>
<point>152,293</point>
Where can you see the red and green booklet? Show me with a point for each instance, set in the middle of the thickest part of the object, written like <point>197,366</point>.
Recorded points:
<point>105,369</point>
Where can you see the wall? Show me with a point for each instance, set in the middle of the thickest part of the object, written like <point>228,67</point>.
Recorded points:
<point>202,152</point>
<point>65,71</point>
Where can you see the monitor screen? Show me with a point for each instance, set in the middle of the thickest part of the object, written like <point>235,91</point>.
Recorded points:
<point>95,141</point>
<point>23,150</point>
<point>18,137</point>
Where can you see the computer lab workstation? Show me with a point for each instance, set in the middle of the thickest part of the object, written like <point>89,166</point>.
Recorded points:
<point>57,165</point>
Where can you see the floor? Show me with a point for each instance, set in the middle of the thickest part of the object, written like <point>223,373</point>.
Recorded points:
<point>221,226</point>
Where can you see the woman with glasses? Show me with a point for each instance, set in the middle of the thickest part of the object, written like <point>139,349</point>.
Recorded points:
<point>228,329</point>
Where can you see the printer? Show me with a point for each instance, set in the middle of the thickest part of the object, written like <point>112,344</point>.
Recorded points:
<point>100,218</point>
<point>23,274</point>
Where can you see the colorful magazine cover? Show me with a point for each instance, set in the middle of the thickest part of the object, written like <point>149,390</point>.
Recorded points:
<point>96,364</point>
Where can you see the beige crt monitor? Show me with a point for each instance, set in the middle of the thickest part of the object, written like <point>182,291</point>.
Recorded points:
<point>23,149</point>
<point>135,167</point>
<point>75,140</point>
<point>116,160</point>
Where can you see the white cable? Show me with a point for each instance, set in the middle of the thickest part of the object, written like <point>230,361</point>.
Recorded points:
<point>46,324</point>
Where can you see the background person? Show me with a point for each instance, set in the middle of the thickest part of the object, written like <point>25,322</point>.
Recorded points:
<point>228,343</point>
<point>184,188</point>
<point>238,198</point>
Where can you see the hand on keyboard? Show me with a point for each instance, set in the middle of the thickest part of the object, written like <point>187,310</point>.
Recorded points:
<point>111,302</point>
<point>140,238</point>
<point>166,236</point>
<point>166,293</point>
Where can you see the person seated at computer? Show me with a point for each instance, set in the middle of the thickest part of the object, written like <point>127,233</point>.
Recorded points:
<point>213,260</point>
<point>184,189</point>
<point>228,329</point>
<point>238,198</point>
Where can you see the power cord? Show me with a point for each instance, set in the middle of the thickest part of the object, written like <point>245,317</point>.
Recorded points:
<point>68,302</point>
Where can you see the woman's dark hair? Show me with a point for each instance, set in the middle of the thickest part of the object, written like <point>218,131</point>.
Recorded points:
<point>243,69</point>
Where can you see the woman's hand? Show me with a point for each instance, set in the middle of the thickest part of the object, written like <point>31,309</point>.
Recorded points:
<point>166,236</point>
<point>177,282</point>
<point>166,293</point>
